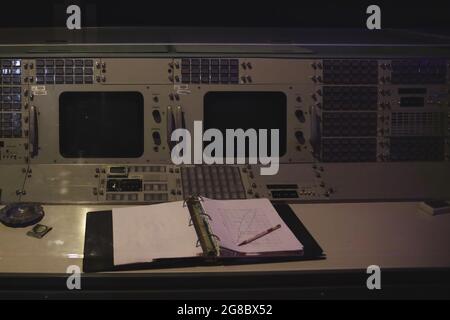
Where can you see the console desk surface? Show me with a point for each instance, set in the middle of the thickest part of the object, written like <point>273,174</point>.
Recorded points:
<point>353,236</point>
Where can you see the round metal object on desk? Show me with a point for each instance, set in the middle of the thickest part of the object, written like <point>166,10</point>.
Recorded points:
<point>21,215</point>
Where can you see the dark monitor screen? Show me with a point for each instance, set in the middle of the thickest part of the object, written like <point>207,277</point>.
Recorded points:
<point>101,124</point>
<point>247,110</point>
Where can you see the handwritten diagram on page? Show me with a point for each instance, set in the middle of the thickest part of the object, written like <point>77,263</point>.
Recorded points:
<point>234,221</point>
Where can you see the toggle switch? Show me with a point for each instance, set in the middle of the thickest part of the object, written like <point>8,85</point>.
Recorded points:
<point>300,115</point>
<point>300,137</point>
<point>156,138</point>
<point>156,116</point>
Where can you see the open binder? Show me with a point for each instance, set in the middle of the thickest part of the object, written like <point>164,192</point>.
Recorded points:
<point>214,243</point>
<point>205,214</point>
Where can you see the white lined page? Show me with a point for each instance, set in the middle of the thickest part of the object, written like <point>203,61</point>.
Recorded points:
<point>144,233</point>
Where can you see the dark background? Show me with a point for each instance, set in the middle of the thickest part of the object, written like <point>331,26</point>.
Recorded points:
<point>244,13</point>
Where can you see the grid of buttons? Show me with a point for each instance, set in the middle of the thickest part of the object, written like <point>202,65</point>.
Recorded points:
<point>147,169</point>
<point>344,124</point>
<point>349,98</point>
<point>350,71</point>
<point>10,116</point>
<point>215,182</point>
<point>417,148</point>
<point>349,150</point>
<point>417,124</point>
<point>155,197</point>
<point>122,197</point>
<point>196,70</point>
<point>155,187</point>
<point>64,71</point>
<point>10,71</point>
<point>10,98</point>
<point>11,125</point>
<point>419,71</point>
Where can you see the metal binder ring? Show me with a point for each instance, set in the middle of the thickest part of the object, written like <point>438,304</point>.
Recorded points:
<point>207,215</point>
<point>197,198</point>
<point>213,235</point>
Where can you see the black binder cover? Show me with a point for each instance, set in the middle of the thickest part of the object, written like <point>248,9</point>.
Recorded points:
<point>98,246</point>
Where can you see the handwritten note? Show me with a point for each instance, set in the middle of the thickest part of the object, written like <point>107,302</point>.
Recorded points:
<point>235,221</point>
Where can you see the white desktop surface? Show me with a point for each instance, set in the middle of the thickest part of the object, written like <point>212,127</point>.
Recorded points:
<point>352,235</point>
